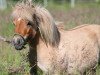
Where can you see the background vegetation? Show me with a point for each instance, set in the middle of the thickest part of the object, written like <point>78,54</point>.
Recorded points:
<point>14,62</point>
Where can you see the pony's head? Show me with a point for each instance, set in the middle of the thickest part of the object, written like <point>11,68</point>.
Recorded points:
<point>23,31</point>
<point>30,20</point>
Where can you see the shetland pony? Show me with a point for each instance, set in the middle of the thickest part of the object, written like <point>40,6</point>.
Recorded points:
<point>55,51</point>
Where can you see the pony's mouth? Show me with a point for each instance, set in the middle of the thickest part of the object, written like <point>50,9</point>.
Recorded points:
<point>18,42</point>
<point>19,46</point>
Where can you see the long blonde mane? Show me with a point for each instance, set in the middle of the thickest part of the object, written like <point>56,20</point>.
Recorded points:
<point>41,18</point>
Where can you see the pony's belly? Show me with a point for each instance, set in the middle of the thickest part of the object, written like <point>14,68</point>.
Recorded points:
<point>87,60</point>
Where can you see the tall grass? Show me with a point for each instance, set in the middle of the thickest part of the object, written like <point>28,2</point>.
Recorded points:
<point>14,62</point>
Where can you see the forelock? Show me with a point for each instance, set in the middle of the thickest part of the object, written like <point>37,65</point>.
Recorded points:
<point>23,10</point>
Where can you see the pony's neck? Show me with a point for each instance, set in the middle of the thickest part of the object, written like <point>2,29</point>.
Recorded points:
<point>33,41</point>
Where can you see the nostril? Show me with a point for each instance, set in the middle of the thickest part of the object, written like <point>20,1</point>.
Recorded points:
<point>18,41</point>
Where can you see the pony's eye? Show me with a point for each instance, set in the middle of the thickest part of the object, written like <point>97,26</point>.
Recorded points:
<point>29,24</point>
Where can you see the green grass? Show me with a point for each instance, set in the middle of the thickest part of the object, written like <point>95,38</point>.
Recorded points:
<point>11,61</point>
<point>82,13</point>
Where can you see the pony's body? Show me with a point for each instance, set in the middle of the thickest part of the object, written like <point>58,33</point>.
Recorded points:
<point>78,50</point>
<point>56,51</point>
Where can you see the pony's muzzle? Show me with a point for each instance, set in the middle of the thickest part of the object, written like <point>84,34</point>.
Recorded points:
<point>18,42</point>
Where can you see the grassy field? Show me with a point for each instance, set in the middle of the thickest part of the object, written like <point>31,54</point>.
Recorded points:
<point>14,62</point>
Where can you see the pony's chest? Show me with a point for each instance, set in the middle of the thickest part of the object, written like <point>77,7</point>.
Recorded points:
<point>46,58</point>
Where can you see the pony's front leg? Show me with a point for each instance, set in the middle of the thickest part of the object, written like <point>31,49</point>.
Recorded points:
<point>33,70</point>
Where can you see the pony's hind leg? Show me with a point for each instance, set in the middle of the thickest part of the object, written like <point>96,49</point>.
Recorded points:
<point>92,72</point>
